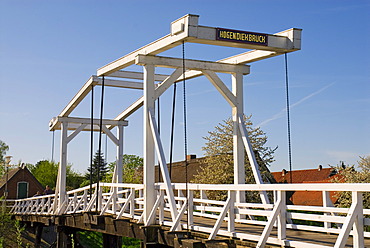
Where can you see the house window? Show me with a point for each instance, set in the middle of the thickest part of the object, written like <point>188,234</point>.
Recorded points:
<point>22,190</point>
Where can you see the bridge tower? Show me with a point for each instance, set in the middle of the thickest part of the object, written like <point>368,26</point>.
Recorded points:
<point>186,29</point>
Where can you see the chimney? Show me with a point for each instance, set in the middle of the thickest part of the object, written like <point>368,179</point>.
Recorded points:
<point>190,157</point>
<point>283,172</point>
<point>320,167</point>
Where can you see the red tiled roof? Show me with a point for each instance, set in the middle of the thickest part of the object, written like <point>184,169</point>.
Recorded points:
<point>300,176</point>
<point>311,198</point>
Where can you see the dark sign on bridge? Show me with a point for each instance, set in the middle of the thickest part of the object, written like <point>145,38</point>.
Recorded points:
<point>241,36</point>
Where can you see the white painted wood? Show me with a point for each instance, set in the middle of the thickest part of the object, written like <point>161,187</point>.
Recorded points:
<point>131,109</point>
<point>238,147</point>
<point>282,218</point>
<point>136,75</point>
<point>149,192</point>
<point>191,64</point>
<point>221,217</point>
<point>288,41</point>
<point>252,158</point>
<point>270,224</point>
<point>119,160</point>
<point>221,87</point>
<point>190,209</point>
<point>110,135</point>
<point>120,84</point>
<point>75,122</point>
<point>163,164</point>
<point>231,213</point>
<point>176,222</point>
<point>168,82</point>
<point>77,131</point>
<point>81,94</point>
<point>358,225</point>
<point>349,221</point>
<point>127,203</point>
<point>61,186</point>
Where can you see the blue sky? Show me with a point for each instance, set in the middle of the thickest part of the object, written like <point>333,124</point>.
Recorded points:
<point>48,49</point>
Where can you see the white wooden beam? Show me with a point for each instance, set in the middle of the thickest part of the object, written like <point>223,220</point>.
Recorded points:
<point>252,158</point>
<point>149,156</point>
<point>75,122</point>
<point>187,29</point>
<point>81,94</point>
<point>77,131</point>
<point>221,87</point>
<point>136,75</point>
<point>121,84</point>
<point>131,109</point>
<point>348,223</point>
<point>110,135</point>
<point>270,223</point>
<point>168,82</point>
<point>190,64</point>
<point>163,165</point>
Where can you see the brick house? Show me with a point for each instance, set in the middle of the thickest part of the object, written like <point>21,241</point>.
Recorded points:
<point>21,184</point>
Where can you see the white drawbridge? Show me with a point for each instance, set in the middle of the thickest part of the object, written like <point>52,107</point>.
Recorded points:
<point>141,202</point>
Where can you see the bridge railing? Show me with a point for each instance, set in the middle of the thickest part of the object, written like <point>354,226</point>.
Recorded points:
<point>221,217</point>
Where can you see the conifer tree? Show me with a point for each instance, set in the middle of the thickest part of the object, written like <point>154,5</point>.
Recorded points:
<point>98,163</point>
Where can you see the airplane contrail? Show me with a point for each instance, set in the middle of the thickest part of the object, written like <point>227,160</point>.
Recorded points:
<point>281,113</point>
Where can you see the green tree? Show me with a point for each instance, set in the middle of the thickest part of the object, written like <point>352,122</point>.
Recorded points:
<point>98,164</point>
<point>132,171</point>
<point>3,149</point>
<point>219,157</point>
<point>46,173</point>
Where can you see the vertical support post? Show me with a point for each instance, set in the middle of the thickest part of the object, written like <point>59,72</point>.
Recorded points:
<point>61,187</point>
<point>326,202</point>
<point>358,225</point>
<point>119,164</point>
<point>149,173</point>
<point>231,222</point>
<point>238,147</point>
<point>38,232</point>
<point>281,219</point>
<point>111,241</point>
<point>203,196</point>
<point>190,208</point>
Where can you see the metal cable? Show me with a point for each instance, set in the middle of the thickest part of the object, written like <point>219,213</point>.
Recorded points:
<point>172,125</point>
<point>288,117</point>
<point>185,132</point>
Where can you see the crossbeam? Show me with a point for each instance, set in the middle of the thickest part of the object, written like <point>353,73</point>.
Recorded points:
<point>186,29</point>
<point>191,64</point>
<point>75,122</point>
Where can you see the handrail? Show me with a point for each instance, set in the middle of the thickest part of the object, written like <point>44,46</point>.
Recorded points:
<point>126,201</point>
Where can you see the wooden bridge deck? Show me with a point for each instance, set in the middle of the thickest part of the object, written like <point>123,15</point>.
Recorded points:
<point>160,234</point>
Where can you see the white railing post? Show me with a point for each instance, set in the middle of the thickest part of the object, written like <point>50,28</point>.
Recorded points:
<point>203,196</point>
<point>358,226</point>
<point>190,208</point>
<point>326,202</point>
<point>231,222</point>
<point>281,219</point>
<point>161,207</point>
